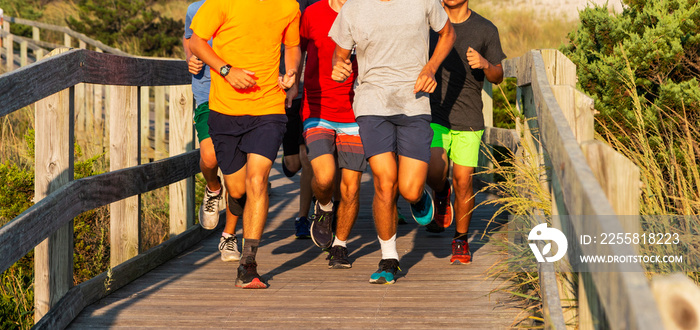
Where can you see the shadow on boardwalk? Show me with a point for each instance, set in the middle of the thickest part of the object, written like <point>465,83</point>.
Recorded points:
<point>196,289</point>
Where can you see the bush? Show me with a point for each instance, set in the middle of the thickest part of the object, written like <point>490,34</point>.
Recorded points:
<point>121,21</point>
<point>661,39</point>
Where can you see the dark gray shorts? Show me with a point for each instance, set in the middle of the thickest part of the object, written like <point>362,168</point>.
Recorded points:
<point>234,137</point>
<point>408,136</point>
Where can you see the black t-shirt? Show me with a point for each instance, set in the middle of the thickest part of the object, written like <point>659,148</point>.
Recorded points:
<point>456,102</point>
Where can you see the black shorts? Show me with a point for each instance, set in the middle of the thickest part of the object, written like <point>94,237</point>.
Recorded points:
<point>234,137</point>
<point>408,136</point>
<point>293,138</point>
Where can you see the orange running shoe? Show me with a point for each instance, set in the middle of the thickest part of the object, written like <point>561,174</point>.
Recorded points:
<point>444,212</point>
<point>460,252</point>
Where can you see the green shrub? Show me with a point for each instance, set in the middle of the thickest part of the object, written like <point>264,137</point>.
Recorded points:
<point>660,38</point>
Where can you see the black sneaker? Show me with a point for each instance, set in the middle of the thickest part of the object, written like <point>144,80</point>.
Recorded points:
<point>386,274</point>
<point>322,228</point>
<point>301,227</point>
<point>338,258</point>
<point>248,277</point>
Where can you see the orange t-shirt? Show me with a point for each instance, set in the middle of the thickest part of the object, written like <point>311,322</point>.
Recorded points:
<point>248,34</point>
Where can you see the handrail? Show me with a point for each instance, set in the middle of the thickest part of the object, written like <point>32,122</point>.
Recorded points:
<point>69,32</point>
<point>38,80</point>
<point>626,295</point>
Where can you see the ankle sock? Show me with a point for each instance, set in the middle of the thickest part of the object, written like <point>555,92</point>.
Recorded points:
<point>326,208</point>
<point>389,248</point>
<point>214,192</point>
<point>250,249</point>
<point>462,236</point>
<point>338,242</point>
<point>226,235</point>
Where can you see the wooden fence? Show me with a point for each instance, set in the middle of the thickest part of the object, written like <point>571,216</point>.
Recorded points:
<point>47,225</point>
<point>91,102</point>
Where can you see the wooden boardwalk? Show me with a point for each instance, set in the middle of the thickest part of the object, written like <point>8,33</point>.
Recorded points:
<point>196,289</point>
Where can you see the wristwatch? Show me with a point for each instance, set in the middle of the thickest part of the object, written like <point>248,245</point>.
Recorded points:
<point>225,70</point>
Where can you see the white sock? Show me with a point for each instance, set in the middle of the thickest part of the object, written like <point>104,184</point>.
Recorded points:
<point>338,242</point>
<point>225,235</point>
<point>389,248</point>
<point>326,208</point>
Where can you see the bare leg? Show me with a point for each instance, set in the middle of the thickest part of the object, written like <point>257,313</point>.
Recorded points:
<point>464,196</point>
<point>412,173</point>
<point>349,203</point>
<point>307,175</point>
<point>208,164</point>
<point>323,183</point>
<point>385,173</point>
<point>437,169</point>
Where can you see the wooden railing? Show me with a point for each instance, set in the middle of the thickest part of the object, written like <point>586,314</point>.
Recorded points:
<point>47,225</point>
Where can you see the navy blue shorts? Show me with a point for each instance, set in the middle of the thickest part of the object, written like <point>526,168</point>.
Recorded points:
<point>408,136</point>
<point>234,137</point>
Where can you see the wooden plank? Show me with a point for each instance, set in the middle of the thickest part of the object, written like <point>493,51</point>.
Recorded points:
<point>67,40</point>
<point>484,161</point>
<point>180,141</point>
<point>502,137</point>
<point>53,258</point>
<point>23,233</point>
<point>578,110</point>
<point>23,53</point>
<point>560,69</point>
<point>9,54</point>
<point>124,153</point>
<point>624,294</point>
<point>36,33</point>
<point>145,111</point>
<point>101,285</point>
<point>159,114</point>
<point>38,80</point>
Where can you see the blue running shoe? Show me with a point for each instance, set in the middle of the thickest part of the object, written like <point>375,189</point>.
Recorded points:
<point>422,211</point>
<point>386,274</point>
<point>302,225</point>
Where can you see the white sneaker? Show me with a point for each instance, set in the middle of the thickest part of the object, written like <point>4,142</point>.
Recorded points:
<point>209,211</point>
<point>229,248</point>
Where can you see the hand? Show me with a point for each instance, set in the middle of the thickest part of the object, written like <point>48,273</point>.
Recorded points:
<point>288,79</point>
<point>426,81</point>
<point>476,61</point>
<point>292,93</point>
<point>342,70</point>
<point>241,78</point>
<point>194,65</point>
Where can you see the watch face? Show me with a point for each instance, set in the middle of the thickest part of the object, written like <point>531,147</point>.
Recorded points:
<point>224,70</point>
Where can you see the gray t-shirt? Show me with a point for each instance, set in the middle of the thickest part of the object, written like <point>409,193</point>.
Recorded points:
<point>391,41</point>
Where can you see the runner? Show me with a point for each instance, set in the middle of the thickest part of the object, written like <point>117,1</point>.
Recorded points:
<point>209,211</point>
<point>331,135</point>
<point>391,103</point>
<point>458,121</point>
<point>247,118</point>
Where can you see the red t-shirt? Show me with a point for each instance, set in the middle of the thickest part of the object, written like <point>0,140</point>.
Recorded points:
<point>323,97</point>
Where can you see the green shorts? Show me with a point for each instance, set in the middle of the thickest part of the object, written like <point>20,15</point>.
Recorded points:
<point>461,146</point>
<point>201,117</point>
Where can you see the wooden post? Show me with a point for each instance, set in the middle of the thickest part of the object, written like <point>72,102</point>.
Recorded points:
<point>35,33</point>
<point>53,258</point>
<point>578,110</point>
<point>9,45</point>
<point>100,113</point>
<point>146,154</point>
<point>678,299</point>
<point>80,116</point>
<point>66,40</point>
<point>181,140</point>
<point>23,53</point>
<point>484,162</point>
<point>124,152</point>
<point>159,137</point>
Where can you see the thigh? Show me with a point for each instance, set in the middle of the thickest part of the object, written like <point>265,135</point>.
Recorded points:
<point>264,135</point>
<point>351,153</point>
<point>414,137</point>
<point>465,147</point>
<point>320,138</point>
<point>378,135</point>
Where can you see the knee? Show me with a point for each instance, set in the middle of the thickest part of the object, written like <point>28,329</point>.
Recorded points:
<point>412,196</point>
<point>256,184</point>
<point>208,158</point>
<point>349,191</point>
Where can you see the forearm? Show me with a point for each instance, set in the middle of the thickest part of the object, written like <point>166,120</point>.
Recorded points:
<point>297,78</point>
<point>292,58</point>
<point>494,73</point>
<point>443,47</point>
<point>200,48</point>
<point>186,46</point>
<point>341,54</point>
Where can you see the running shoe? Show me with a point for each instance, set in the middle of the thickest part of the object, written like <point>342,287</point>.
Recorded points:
<point>302,225</point>
<point>322,228</point>
<point>444,212</point>
<point>460,252</point>
<point>386,274</point>
<point>228,246</point>
<point>209,211</point>
<point>338,258</point>
<point>422,211</point>
<point>248,277</point>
